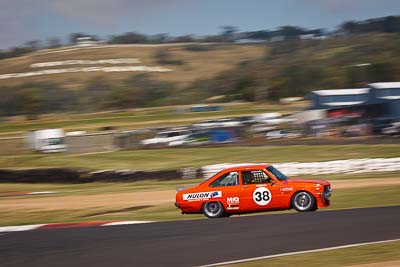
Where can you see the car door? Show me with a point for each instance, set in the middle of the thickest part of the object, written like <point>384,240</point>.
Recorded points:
<point>227,184</point>
<point>258,191</point>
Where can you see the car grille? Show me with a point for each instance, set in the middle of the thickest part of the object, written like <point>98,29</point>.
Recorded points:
<point>327,188</point>
<point>327,191</point>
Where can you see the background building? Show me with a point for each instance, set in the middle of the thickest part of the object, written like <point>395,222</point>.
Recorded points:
<point>378,101</point>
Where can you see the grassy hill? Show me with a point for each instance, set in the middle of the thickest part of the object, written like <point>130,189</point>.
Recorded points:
<point>296,67</point>
<point>197,73</point>
<point>189,62</point>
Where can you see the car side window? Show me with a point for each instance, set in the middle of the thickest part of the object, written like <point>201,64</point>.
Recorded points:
<point>255,177</point>
<point>228,179</point>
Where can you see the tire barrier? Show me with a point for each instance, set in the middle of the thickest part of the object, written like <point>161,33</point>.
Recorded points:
<point>133,176</point>
<point>70,175</point>
<point>54,175</point>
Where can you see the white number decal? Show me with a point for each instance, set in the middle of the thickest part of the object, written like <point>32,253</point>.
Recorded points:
<point>262,196</point>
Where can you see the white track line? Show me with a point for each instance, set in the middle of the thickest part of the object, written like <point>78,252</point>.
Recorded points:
<point>28,194</point>
<point>125,223</point>
<point>19,228</point>
<point>42,193</point>
<point>298,252</point>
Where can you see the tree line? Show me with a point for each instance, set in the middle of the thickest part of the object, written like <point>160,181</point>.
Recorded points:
<point>388,24</point>
<point>297,67</point>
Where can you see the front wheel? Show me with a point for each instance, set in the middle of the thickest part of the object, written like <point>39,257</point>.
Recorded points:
<point>213,209</point>
<point>304,201</point>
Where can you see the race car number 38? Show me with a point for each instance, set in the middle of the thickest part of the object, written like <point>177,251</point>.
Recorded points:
<point>262,196</point>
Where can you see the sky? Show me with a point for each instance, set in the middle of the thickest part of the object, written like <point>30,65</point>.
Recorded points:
<point>26,20</point>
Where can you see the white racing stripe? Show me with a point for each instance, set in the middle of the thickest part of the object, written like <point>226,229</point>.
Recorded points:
<point>5,229</point>
<point>126,223</point>
<point>298,252</point>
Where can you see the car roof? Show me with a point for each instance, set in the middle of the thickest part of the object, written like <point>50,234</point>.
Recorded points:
<point>247,167</point>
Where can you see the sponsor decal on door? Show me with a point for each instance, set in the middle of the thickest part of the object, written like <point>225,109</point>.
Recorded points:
<point>202,195</point>
<point>232,203</point>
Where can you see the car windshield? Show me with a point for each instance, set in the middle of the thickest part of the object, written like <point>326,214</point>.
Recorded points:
<point>280,176</point>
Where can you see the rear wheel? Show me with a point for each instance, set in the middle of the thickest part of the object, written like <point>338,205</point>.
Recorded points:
<point>304,201</point>
<point>213,209</point>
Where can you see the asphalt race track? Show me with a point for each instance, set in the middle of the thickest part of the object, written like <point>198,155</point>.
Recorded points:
<point>198,242</point>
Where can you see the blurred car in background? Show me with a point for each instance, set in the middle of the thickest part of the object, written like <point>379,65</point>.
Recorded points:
<point>252,188</point>
<point>392,130</point>
<point>229,122</point>
<point>226,122</point>
<point>46,140</point>
<point>281,134</point>
<point>206,123</point>
<point>171,137</point>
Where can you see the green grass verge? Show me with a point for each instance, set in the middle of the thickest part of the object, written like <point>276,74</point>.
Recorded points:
<point>374,253</point>
<point>341,199</point>
<point>365,197</point>
<point>97,188</point>
<point>122,187</point>
<point>161,159</point>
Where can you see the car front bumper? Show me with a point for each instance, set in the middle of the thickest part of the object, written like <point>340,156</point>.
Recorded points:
<point>326,196</point>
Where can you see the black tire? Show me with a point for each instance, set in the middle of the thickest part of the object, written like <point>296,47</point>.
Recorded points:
<point>303,201</point>
<point>213,210</point>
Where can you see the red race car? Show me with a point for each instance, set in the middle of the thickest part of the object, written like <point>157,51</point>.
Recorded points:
<point>252,188</point>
